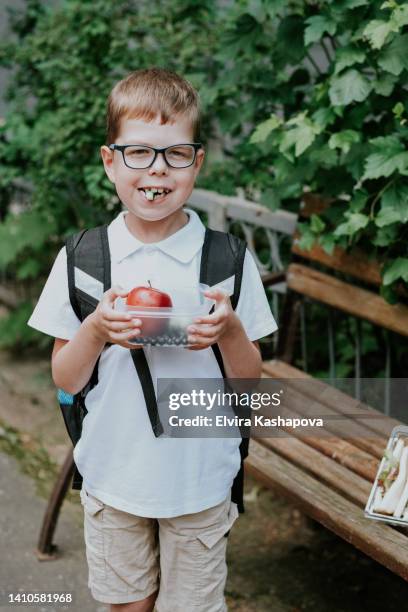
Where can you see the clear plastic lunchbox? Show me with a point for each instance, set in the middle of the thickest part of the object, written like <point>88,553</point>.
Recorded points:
<point>394,509</point>
<point>168,326</point>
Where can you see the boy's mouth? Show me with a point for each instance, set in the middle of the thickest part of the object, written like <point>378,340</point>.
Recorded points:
<point>153,193</point>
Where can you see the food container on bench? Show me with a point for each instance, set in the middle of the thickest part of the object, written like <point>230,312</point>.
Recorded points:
<point>388,500</point>
<point>168,326</point>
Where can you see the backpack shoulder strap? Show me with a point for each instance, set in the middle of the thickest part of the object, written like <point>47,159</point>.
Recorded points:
<point>89,276</point>
<point>222,256</point>
<point>89,269</point>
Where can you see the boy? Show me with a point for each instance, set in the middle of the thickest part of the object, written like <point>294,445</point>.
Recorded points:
<point>154,508</point>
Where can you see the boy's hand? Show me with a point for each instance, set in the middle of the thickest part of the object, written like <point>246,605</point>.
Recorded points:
<point>209,329</point>
<point>112,326</point>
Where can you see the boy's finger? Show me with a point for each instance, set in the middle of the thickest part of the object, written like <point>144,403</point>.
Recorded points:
<point>124,336</point>
<point>121,325</point>
<point>114,292</point>
<point>195,339</point>
<point>109,314</point>
<point>212,319</point>
<point>207,331</point>
<point>216,294</point>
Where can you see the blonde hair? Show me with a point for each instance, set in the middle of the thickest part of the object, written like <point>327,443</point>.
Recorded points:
<point>150,93</point>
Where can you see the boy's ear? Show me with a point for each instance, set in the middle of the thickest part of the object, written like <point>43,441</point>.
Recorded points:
<point>199,160</point>
<point>107,158</point>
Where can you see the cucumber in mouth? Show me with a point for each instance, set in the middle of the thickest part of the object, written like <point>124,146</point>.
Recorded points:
<point>152,195</point>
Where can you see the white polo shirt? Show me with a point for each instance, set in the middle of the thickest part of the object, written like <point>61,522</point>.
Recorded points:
<point>120,459</point>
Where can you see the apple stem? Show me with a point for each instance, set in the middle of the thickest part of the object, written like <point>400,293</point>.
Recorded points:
<point>150,283</point>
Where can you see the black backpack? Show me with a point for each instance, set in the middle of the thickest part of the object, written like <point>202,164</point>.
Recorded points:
<point>222,257</point>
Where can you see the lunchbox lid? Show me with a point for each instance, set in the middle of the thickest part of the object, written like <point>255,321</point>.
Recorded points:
<point>163,312</point>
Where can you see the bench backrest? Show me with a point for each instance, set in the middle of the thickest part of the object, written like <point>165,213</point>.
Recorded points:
<point>345,296</point>
<point>347,284</point>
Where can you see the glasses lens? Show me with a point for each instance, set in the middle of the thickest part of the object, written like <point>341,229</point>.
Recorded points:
<point>138,156</point>
<point>180,156</point>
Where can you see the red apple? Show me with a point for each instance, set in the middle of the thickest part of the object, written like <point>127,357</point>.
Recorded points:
<point>148,297</point>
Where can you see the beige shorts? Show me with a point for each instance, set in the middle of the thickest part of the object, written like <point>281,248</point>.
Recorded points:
<point>130,557</point>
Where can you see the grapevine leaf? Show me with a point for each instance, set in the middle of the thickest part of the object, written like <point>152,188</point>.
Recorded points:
<point>316,27</point>
<point>377,32</point>
<point>394,58</point>
<point>395,270</point>
<point>354,223</point>
<point>350,86</point>
<point>344,139</point>
<point>263,130</point>
<point>348,56</point>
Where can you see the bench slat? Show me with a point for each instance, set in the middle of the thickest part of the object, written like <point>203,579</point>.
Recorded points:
<point>352,431</point>
<point>357,460</point>
<point>338,400</point>
<point>354,487</point>
<point>379,541</point>
<point>353,300</point>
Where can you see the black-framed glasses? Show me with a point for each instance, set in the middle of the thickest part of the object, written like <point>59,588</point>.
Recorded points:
<point>139,157</point>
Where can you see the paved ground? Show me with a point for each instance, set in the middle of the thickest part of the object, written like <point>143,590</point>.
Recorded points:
<point>20,571</point>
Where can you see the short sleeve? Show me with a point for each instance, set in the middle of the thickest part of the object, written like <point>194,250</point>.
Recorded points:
<point>253,307</point>
<point>53,314</point>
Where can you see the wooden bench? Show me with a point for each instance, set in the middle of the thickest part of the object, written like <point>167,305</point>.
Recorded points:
<point>329,477</point>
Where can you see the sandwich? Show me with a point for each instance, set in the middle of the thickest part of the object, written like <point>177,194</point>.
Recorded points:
<point>391,497</point>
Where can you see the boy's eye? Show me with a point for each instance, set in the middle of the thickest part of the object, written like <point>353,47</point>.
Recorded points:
<point>181,152</point>
<point>138,152</point>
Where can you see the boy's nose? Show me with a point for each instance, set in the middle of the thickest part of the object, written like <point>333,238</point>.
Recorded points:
<point>159,164</point>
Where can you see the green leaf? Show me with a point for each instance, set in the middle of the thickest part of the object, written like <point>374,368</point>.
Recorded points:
<point>389,157</point>
<point>273,7</point>
<point>307,237</point>
<point>317,26</point>
<point>386,235</point>
<point>394,206</point>
<point>327,242</point>
<point>271,199</point>
<point>384,164</point>
<point>323,156</point>
<point>263,130</point>
<point>317,224</point>
<point>399,16</point>
<point>354,223</point>
<point>377,31</point>
<point>29,269</point>
<point>18,232</point>
<point>323,117</point>
<point>398,110</point>
<point>394,58</point>
<point>351,4</point>
<point>385,84</point>
<point>358,201</point>
<point>301,136</point>
<point>348,56</point>
<point>397,269</point>
<point>343,140</point>
<point>390,142</point>
<point>351,86</point>
<point>257,10</point>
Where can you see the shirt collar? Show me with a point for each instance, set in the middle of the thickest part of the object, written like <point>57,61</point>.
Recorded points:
<point>182,245</point>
